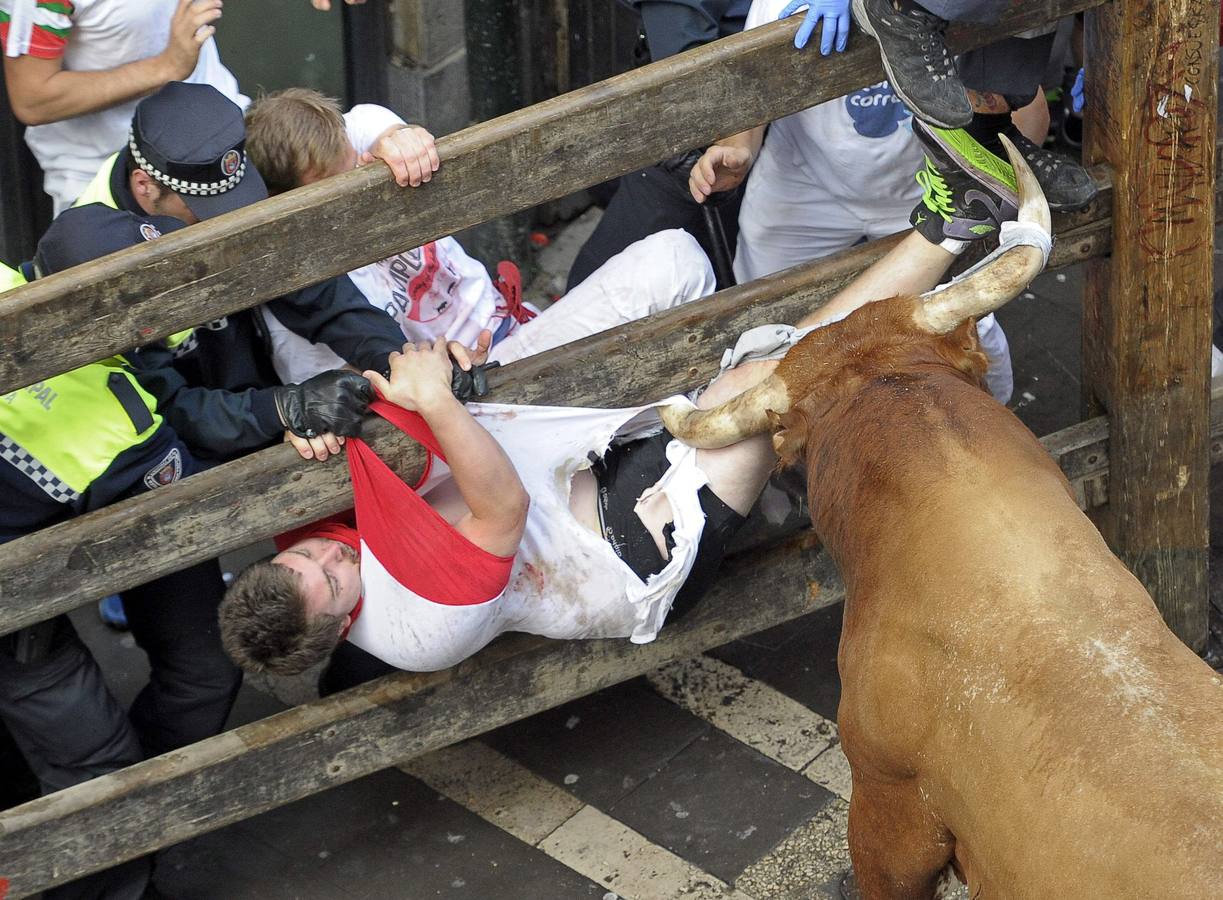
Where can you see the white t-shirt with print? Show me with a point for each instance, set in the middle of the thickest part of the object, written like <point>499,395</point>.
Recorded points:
<point>431,291</point>
<point>100,34</point>
<point>858,148</point>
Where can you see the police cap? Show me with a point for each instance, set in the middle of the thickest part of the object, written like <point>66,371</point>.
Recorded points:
<point>84,233</point>
<point>191,139</point>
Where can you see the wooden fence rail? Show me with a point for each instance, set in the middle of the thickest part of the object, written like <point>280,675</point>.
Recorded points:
<point>129,543</point>
<point>491,169</point>
<point>304,750</point>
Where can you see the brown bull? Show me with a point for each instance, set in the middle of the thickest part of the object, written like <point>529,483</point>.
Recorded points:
<point>1012,703</point>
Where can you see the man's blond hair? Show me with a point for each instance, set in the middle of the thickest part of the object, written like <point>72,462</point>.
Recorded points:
<point>292,134</point>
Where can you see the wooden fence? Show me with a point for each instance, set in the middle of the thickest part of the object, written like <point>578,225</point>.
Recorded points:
<point>509,164</point>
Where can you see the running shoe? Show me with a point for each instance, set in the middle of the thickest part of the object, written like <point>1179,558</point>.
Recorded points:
<point>963,200</point>
<point>1065,183</point>
<point>919,68</point>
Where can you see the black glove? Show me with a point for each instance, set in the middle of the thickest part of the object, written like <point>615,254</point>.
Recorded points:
<point>469,385</point>
<point>330,401</point>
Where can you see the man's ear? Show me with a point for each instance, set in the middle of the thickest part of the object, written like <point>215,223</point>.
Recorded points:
<point>143,186</point>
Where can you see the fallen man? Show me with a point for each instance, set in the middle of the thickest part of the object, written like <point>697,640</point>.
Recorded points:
<point>562,522</point>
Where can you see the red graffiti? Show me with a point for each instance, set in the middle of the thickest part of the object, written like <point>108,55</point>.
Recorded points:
<point>1175,192</point>
<point>3,888</point>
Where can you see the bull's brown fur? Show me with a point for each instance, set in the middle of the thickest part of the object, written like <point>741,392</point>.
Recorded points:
<point>1012,702</point>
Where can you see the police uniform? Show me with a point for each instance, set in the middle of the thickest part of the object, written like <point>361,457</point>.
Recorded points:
<point>71,444</point>
<point>190,139</point>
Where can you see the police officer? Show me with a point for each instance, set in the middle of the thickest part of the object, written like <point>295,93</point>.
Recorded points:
<point>185,158</point>
<point>74,443</point>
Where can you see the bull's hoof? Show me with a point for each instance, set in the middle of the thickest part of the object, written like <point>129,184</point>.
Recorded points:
<point>849,886</point>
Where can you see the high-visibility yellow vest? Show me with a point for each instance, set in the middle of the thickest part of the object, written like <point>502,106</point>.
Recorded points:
<point>66,431</point>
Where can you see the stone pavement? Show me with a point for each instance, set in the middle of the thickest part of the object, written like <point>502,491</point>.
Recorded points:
<point>719,777</point>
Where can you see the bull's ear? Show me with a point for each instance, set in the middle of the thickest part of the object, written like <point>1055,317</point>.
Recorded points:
<point>789,435</point>
<point>962,349</point>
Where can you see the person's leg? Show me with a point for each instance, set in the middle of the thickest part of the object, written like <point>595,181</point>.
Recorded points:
<point>193,683</point>
<point>656,273</point>
<point>645,203</point>
<point>69,728</point>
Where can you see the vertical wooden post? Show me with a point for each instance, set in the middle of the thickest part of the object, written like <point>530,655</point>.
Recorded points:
<point>1152,82</point>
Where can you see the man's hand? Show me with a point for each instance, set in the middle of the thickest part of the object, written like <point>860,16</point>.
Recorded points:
<point>329,402</point>
<point>408,151</point>
<point>190,27</point>
<point>325,5</point>
<point>835,14</point>
<point>466,357</point>
<point>720,168</point>
<point>319,448</point>
<point>420,377</point>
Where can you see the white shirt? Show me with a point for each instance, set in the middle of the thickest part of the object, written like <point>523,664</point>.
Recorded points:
<point>859,147</point>
<point>101,34</point>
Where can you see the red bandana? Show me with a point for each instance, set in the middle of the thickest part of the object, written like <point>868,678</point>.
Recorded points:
<point>337,528</point>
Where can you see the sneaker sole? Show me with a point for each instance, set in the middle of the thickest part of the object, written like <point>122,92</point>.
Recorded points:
<point>859,12</point>
<point>973,160</point>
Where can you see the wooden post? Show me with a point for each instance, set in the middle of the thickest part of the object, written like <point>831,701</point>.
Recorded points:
<point>1152,70</point>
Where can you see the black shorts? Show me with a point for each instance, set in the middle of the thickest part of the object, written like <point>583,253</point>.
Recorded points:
<point>623,474</point>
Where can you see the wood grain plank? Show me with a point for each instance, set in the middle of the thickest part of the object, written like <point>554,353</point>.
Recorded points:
<point>129,543</point>
<point>307,749</point>
<point>1153,71</point>
<point>497,167</point>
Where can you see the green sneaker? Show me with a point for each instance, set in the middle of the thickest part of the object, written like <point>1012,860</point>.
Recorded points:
<point>960,206</point>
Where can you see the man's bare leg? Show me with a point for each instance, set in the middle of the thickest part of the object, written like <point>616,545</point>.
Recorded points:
<point>913,266</point>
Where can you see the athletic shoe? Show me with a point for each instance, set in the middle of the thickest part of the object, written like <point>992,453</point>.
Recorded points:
<point>919,68</point>
<point>963,202</point>
<point>1066,184</point>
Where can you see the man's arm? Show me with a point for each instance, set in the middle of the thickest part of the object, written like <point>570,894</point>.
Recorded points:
<point>486,479</point>
<point>40,89</point>
<point>335,313</point>
<point>724,165</point>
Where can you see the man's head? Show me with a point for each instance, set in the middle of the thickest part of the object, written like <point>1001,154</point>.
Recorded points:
<point>285,614</point>
<point>297,137</point>
<point>186,157</point>
<point>84,233</point>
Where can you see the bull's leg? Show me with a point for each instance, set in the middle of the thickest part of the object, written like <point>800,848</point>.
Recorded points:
<point>898,850</point>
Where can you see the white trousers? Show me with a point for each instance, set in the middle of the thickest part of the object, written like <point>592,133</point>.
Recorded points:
<point>658,272</point>
<point>788,218</point>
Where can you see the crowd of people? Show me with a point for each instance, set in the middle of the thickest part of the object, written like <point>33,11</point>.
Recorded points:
<point>558,521</point>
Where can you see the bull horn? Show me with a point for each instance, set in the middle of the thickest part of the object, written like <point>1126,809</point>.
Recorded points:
<point>739,417</point>
<point>999,279</point>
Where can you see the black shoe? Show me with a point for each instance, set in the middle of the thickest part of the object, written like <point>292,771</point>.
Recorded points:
<point>1066,184</point>
<point>968,193</point>
<point>918,66</point>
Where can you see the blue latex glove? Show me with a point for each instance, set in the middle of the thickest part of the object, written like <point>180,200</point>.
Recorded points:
<point>835,14</point>
<point>1078,99</point>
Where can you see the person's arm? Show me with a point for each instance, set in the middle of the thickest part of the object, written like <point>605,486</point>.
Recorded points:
<point>724,165</point>
<point>335,313</point>
<point>40,90</point>
<point>496,500</point>
<point>325,5</point>
<point>409,151</point>
<point>220,423</point>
